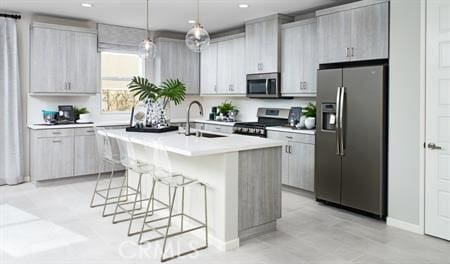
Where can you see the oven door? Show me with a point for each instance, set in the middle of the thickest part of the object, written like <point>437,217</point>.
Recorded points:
<point>263,85</point>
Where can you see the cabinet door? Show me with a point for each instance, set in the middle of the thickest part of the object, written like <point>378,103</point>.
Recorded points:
<point>48,60</point>
<point>301,166</point>
<point>86,156</point>
<point>82,71</point>
<point>292,60</point>
<point>208,70</point>
<point>269,45</point>
<point>370,32</point>
<point>53,158</point>
<point>231,78</point>
<point>219,128</point>
<point>334,33</point>
<point>253,39</point>
<point>189,62</point>
<point>310,63</point>
<point>224,66</point>
<point>239,85</point>
<point>176,61</point>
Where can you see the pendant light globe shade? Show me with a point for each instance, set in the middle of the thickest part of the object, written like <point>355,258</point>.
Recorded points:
<point>197,38</point>
<point>147,49</point>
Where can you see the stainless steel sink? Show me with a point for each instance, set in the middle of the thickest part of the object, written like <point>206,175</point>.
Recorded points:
<point>207,135</point>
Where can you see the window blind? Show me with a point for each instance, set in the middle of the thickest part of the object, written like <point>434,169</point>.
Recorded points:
<point>111,37</point>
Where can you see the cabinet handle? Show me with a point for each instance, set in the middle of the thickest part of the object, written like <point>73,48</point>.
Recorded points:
<point>56,133</point>
<point>289,137</point>
<point>215,88</point>
<point>90,131</point>
<point>347,52</point>
<point>65,85</point>
<point>286,148</point>
<point>353,52</point>
<point>57,141</point>
<point>70,86</point>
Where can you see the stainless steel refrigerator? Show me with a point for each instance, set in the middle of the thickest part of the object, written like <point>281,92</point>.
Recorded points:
<point>351,141</point>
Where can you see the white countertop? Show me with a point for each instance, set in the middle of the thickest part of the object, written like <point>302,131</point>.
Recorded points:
<point>290,130</point>
<point>195,146</point>
<point>100,124</point>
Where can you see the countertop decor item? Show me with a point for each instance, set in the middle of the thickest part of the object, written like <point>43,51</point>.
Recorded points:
<point>80,111</point>
<point>197,38</point>
<point>147,48</point>
<point>310,113</point>
<point>156,99</point>
<point>226,107</point>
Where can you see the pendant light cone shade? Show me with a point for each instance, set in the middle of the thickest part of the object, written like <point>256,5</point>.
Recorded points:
<point>197,38</point>
<point>147,49</point>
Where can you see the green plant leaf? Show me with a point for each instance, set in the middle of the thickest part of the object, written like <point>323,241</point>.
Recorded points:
<point>143,89</point>
<point>309,110</point>
<point>172,90</point>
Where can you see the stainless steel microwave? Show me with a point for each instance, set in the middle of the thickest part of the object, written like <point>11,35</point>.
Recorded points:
<point>265,85</point>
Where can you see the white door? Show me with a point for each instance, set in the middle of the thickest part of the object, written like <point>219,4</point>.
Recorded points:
<point>437,199</point>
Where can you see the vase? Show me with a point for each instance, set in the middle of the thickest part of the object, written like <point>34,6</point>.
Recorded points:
<point>310,122</point>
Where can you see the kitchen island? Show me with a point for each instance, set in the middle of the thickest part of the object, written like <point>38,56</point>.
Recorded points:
<point>242,174</point>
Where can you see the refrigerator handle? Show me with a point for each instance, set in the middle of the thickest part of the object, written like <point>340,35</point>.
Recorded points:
<point>338,100</point>
<point>341,120</point>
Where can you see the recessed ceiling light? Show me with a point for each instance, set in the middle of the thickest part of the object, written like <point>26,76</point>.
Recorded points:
<point>86,4</point>
<point>243,5</point>
<point>191,21</point>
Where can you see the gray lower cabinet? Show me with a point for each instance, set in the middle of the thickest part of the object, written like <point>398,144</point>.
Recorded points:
<point>174,60</point>
<point>51,154</point>
<point>63,60</point>
<point>354,32</point>
<point>86,158</point>
<point>218,128</point>
<point>297,159</point>
<point>61,153</point>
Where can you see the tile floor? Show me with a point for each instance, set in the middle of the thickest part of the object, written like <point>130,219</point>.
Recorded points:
<point>309,232</point>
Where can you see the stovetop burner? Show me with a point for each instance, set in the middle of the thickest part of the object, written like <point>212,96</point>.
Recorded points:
<point>266,117</point>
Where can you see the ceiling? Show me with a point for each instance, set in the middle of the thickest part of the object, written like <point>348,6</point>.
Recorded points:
<point>172,15</point>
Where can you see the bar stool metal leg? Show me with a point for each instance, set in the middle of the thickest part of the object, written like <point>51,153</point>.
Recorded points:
<point>99,176</point>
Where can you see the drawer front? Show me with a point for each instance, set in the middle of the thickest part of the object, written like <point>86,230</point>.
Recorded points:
<point>218,128</point>
<point>48,133</point>
<point>296,137</point>
<point>85,131</point>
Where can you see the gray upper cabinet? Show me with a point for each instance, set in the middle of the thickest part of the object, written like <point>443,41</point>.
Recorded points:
<point>262,44</point>
<point>299,60</point>
<point>208,70</point>
<point>354,32</point>
<point>370,34</point>
<point>63,60</point>
<point>223,67</point>
<point>176,61</point>
<point>231,66</point>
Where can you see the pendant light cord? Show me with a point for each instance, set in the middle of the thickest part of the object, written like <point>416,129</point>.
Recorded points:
<point>198,12</point>
<point>148,35</point>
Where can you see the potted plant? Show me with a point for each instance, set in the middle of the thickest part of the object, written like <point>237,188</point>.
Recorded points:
<point>225,108</point>
<point>310,113</point>
<point>81,113</point>
<point>157,98</point>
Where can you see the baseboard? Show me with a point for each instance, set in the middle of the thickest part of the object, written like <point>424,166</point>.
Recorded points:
<point>223,246</point>
<point>404,225</point>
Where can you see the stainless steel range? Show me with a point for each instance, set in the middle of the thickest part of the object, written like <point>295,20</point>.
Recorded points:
<point>266,117</point>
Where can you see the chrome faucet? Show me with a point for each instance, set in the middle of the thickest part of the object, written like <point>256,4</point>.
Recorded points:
<point>187,132</point>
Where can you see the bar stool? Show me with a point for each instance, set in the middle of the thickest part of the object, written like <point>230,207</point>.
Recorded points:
<point>128,158</point>
<point>165,175</point>
<point>108,152</point>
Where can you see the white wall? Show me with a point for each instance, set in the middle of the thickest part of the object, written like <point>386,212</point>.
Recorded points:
<point>406,102</point>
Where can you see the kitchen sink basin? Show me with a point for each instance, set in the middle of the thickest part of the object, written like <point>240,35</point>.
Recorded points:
<point>207,135</point>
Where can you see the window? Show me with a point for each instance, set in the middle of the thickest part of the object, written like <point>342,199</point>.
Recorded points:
<point>117,69</point>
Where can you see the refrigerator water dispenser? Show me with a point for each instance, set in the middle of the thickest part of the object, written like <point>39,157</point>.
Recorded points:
<point>328,116</point>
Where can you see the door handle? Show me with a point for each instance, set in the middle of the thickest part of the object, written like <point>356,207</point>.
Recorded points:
<point>434,146</point>
<point>341,119</point>
<point>338,138</point>
<point>267,86</point>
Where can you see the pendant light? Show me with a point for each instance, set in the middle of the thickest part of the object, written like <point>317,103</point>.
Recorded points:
<point>197,38</point>
<point>147,49</point>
